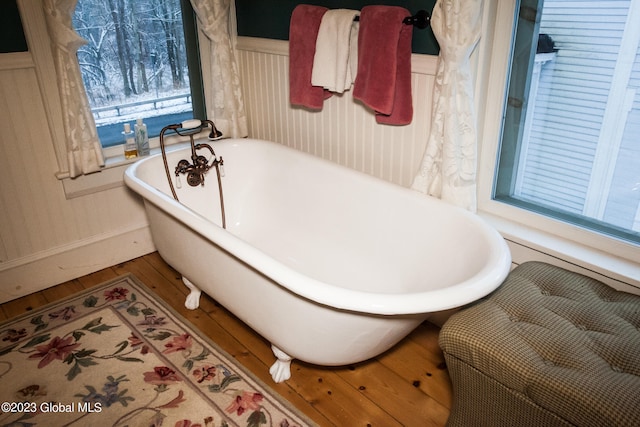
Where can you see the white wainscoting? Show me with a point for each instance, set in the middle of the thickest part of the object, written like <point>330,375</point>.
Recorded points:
<point>344,131</point>
<point>47,268</point>
<point>45,238</point>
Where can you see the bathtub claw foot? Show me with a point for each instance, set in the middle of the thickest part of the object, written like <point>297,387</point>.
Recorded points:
<point>193,299</point>
<point>281,370</point>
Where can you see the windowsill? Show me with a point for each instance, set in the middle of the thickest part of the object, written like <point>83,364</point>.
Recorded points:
<point>112,173</point>
<point>619,270</point>
<point>110,176</point>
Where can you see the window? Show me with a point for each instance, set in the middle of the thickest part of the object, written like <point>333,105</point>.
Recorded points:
<point>570,146</point>
<point>141,61</point>
<point>12,38</point>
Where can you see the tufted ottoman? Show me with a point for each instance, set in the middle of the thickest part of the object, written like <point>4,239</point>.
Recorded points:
<point>548,348</point>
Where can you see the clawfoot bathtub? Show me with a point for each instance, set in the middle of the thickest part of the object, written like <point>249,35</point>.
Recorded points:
<point>332,266</point>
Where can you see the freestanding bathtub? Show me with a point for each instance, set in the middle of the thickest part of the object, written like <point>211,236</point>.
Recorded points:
<point>332,266</point>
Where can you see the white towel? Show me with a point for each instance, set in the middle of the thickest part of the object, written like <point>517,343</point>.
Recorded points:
<point>336,53</point>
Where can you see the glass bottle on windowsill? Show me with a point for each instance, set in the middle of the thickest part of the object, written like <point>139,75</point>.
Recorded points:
<point>130,148</point>
<point>142,138</point>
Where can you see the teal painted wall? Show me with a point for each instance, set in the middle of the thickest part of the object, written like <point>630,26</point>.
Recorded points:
<point>270,19</point>
<point>11,33</point>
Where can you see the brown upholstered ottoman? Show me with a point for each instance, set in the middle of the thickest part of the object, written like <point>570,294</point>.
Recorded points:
<point>548,348</point>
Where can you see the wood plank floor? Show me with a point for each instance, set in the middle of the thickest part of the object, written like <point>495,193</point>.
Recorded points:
<point>408,385</point>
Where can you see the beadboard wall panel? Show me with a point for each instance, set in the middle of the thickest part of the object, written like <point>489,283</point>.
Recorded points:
<point>344,131</point>
<point>27,194</point>
<point>45,238</point>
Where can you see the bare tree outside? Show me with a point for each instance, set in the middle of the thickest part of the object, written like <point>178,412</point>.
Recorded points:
<point>134,64</point>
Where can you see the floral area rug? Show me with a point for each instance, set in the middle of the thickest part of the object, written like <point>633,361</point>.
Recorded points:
<point>115,355</point>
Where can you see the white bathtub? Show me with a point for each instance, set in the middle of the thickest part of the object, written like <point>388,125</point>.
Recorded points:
<point>332,266</point>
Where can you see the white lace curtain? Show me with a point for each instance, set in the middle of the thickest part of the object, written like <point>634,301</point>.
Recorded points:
<point>448,168</point>
<point>225,105</point>
<point>83,146</point>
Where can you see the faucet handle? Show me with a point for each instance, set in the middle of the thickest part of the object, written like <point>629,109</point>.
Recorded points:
<point>182,167</point>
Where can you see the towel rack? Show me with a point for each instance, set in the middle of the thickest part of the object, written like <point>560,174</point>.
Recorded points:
<point>420,20</point>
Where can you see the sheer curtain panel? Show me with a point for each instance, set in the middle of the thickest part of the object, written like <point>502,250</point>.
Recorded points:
<point>448,168</point>
<point>225,105</point>
<point>83,146</point>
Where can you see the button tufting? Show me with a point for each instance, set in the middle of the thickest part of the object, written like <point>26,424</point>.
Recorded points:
<point>564,345</point>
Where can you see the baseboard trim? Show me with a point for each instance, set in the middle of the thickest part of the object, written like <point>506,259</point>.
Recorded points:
<point>40,271</point>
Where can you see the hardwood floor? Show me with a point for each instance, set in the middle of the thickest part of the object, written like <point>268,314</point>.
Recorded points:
<point>408,385</point>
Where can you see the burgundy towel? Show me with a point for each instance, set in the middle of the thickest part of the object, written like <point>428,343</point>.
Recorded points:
<point>303,32</point>
<point>383,81</point>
